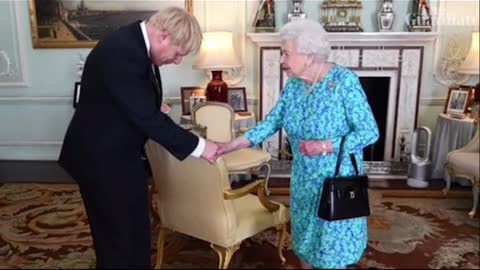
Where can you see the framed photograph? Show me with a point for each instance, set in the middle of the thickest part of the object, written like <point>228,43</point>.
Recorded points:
<point>76,94</point>
<point>458,99</point>
<point>237,98</point>
<point>195,100</point>
<point>80,24</point>
<point>189,93</point>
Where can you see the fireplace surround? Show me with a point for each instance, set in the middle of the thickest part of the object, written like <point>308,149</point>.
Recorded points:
<point>396,56</point>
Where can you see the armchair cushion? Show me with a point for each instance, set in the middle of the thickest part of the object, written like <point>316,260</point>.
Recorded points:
<point>244,159</point>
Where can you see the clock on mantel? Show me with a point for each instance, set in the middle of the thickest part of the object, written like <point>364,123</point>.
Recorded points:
<point>357,38</point>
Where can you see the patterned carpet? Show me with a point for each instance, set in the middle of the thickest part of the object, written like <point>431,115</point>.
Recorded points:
<point>44,226</point>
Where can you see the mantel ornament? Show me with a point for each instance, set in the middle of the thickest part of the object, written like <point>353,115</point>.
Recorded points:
<point>265,18</point>
<point>297,12</point>
<point>386,17</point>
<point>341,15</point>
<point>420,19</point>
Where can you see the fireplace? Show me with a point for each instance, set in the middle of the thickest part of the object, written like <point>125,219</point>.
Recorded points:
<point>389,66</point>
<point>377,90</point>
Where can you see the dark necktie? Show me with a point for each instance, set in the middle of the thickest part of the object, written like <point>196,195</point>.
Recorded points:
<point>158,83</point>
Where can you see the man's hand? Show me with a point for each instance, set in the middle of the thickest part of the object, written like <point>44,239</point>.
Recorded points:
<point>165,108</point>
<point>238,143</point>
<point>210,151</point>
<point>315,148</point>
<point>224,148</point>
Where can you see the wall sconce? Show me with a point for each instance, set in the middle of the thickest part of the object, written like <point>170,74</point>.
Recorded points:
<point>217,54</point>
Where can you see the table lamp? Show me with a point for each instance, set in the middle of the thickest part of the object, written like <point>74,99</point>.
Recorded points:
<point>217,54</point>
<point>471,66</point>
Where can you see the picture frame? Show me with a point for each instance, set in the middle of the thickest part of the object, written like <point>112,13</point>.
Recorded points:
<point>80,24</point>
<point>186,94</point>
<point>237,98</point>
<point>458,99</point>
<point>76,94</point>
<point>195,100</point>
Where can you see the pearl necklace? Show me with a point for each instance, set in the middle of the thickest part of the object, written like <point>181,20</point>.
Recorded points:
<point>310,89</point>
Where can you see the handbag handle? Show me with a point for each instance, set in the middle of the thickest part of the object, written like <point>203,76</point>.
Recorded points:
<point>340,158</point>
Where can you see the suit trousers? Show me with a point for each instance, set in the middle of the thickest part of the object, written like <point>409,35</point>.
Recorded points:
<point>118,212</point>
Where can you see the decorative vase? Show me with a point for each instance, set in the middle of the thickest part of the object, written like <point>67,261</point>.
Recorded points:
<point>386,17</point>
<point>297,12</point>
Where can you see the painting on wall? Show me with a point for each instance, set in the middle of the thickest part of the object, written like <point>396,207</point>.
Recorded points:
<point>81,23</point>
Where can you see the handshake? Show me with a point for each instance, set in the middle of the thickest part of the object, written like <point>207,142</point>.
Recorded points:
<point>215,149</point>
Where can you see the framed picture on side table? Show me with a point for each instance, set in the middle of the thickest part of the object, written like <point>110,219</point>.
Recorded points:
<point>191,93</point>
<point>458,100</point>
<point>237,98</point>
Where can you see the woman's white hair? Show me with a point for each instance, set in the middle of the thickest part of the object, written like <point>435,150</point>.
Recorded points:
<point>309,38</point>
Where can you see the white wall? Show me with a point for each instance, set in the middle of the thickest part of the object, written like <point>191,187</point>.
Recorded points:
<point>34,117</point>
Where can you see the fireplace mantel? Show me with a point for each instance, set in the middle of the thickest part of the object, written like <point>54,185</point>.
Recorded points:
<point>398,56</point>
<point>357,39</point>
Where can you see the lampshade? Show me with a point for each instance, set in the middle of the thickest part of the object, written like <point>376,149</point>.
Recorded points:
<point>217,52</point>
<point>471,63</point>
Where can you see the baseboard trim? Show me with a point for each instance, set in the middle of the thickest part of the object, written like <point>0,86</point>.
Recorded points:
<point>419,193</point>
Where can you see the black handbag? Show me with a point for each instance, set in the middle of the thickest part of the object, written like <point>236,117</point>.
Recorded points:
<point>344,197</point>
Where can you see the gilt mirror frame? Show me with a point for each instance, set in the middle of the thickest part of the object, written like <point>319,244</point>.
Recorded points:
<point>53,27</point>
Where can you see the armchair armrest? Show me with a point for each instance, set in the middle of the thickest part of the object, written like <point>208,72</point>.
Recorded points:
<point>257,186</point>
<point>471,146</point>
<point>231,194</point>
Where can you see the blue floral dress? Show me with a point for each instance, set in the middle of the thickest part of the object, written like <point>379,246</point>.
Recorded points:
<point>336,107</point>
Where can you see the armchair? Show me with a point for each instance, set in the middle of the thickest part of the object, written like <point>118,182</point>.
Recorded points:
<point>464,162</point>
<point>219,120</point>
<point>195,198</point>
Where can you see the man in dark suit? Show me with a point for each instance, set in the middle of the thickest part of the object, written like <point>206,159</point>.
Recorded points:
<point>118,110</point>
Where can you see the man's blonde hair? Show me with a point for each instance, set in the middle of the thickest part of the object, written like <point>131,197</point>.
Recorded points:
<point>183,27</point>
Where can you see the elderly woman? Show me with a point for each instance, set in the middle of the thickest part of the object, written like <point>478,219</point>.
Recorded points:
<point>321,103</point>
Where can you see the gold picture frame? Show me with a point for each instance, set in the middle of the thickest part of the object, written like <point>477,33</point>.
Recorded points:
<point>75,24</point>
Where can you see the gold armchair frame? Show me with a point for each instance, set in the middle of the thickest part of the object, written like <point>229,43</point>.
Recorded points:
<point>454,171</point>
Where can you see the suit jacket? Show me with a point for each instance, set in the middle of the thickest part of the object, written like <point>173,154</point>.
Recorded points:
<point>118,110</point>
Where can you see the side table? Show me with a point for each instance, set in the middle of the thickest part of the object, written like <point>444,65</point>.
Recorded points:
<point>450,134</point>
